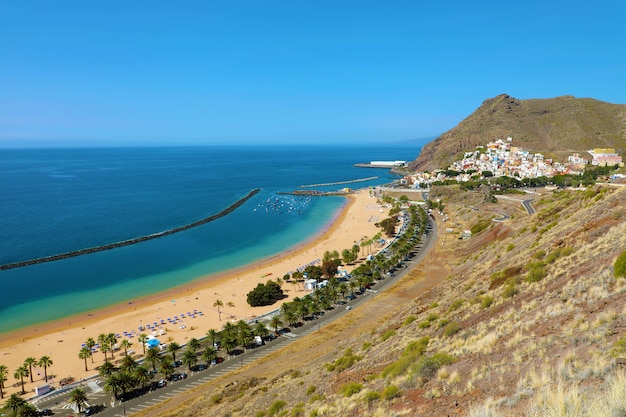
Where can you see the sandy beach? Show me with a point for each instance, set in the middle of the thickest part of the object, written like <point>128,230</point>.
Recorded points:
<point>191,304</point>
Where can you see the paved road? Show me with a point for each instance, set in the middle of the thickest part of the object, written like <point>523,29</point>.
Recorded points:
<point>529,208</point>
<point>96,395</point>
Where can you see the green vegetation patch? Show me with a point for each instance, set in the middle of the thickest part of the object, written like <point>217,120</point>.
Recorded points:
<point>351,388</point>
<point>411,353</point>
<point>428,366</point>
<point>455,305</point>
<point>276,407</point>
<point>391,392</point>
<point>344,362</point>
<point>480,226</point>
<point>389,333</point>
<point>451,329</point>
<point>619,269</point>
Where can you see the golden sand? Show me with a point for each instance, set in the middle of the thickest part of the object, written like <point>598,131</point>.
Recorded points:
<point>61,340</point>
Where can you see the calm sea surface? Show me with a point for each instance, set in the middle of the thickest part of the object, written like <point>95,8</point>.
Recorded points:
<point>55,201</point>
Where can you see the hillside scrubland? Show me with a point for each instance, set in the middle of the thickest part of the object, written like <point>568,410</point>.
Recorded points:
<point>525,318</point>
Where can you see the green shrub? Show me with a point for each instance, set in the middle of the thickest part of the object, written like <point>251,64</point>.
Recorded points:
<point>434,305</point>
<point>536,274</point>
<point>486,302</point>
<point>455,305</point>
<point>427,367</point>
<point>371,396</point>
<point>410,319</point>
<point>480,226</point>
<point>310,390</point>
<point>297,410</point>
<point>411,353</point>
<point>276,407</point>
<point>451,329</point>
<point>417,347</point>
<point>351,388</point>
<point>389,333</point>
<point>619,269</point>
<point>510,290</point>
<point>510,247</point>
<point>316,397</point>
<point>344,362</point>
<point>619,348</point>
<point>539,254</point>
<point>443,323</point>
<point>391,392</point>
<point>424,325</point>
<point>366,345</point>
<point>265,294</point>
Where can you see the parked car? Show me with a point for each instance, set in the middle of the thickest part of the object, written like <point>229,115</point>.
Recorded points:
<point>46,412</point>
<point>162,383</point>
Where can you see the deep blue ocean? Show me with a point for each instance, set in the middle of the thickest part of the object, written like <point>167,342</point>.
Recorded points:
<point>58,200</point>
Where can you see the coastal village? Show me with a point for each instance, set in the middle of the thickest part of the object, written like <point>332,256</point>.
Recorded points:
<point>501,158</point>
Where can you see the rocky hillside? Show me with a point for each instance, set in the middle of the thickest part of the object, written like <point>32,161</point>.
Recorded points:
<point>525,318</point>
<point>556,127</point>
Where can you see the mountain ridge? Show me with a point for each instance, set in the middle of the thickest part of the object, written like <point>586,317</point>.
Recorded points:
<point>556,126</point>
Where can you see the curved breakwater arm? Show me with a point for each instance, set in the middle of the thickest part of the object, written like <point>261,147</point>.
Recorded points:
<point>132,241</point>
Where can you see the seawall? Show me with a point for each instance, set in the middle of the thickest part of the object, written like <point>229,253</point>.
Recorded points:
<point>132,241</point>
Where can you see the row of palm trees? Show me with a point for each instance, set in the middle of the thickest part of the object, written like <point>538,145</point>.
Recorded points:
<point>131,375</point>
<point>361,277</point>
<point>24,371</point>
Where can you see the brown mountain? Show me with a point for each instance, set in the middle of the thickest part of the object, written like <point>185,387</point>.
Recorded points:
<point>556,127</point>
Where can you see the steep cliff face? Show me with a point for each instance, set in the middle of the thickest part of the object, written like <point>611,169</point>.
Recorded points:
<point>556,127</point>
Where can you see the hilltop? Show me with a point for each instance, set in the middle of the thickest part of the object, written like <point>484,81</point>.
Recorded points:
<point>556,127</point>
<point>523,316</point>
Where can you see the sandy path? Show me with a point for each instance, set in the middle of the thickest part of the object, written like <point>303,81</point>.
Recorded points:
<point>61,340</point>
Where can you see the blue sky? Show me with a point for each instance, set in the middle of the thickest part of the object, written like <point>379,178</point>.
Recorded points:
<point>230,71</point>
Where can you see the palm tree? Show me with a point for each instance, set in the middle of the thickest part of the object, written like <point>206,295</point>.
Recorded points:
<point>194,344</point>
<point>276,322</point>
<point>14,404</point>
<point>45,362</point>
<point>167,367</point>
<point>212,334</point>
<point>20,373</point>
<point>106,369</point>
<point>4,373</point>
<point>90,343</point>
<point>172,348</point>
<point>143,376</point>
<point>219,304</point>
<point>190,358</point>
<point>260,330</point>
<point>152,356</point>
<point>78,397</point>
<point>113,385</point>
<point>84,353</point>
<point>126,344</point>
<point>112,339</point>
<point>127,382</point>
<point>29,362</point>
<point>104,344</point>
<point>143,339</point>
<point>128,364</point>
<point>209,354</point>
<point>230,304</point>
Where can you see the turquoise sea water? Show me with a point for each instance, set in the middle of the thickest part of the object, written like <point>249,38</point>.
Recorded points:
<point>54,201</point>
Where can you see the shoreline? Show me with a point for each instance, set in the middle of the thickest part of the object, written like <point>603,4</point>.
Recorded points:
<point>84,318</point>
<point>61,339</point>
